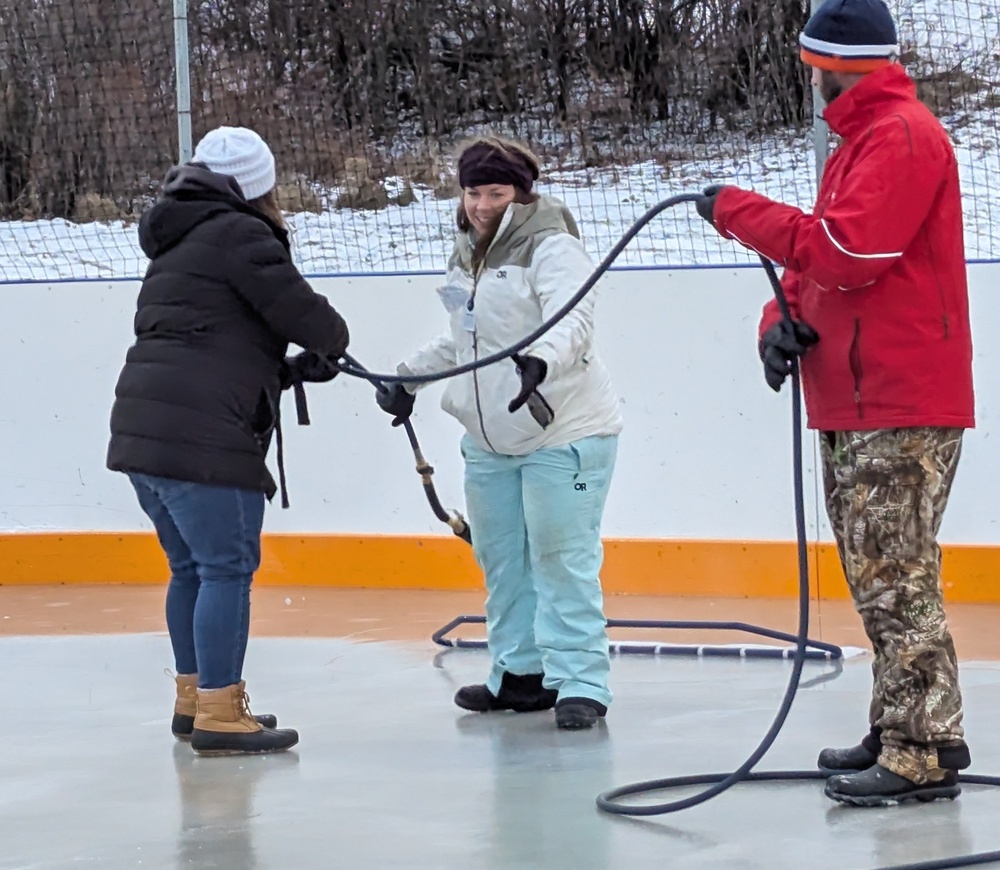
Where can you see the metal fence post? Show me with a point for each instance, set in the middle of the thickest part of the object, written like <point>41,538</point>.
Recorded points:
<point>821,131</point>
<point>183,69</point>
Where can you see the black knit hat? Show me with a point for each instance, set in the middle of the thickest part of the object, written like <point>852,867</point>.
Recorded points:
<point>850,36</point>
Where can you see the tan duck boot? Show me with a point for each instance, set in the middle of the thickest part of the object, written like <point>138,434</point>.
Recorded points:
<point>186,708</point>
<point>224,725</point>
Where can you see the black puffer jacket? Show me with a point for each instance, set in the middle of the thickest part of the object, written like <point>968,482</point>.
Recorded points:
<point>198,396</point>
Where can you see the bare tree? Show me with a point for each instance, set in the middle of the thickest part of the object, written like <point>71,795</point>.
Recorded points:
<point>87,86</point>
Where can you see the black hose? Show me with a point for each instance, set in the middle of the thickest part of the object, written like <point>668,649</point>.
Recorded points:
<point>606,801</point>
<point>719,782</point>
<point>357,371</point>
<point>818,651</point>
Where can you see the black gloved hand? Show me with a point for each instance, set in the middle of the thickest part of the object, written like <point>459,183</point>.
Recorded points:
<point>705,204</point>
<point>532,371</point>
<point>307,367</point>
<point>398,401</point>
<point>780,345</point>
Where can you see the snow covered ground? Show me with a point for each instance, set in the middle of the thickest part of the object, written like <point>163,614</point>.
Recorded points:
<point>943,33</point>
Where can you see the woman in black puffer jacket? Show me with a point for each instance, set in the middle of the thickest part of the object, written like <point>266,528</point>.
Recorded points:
<point>196,405</point>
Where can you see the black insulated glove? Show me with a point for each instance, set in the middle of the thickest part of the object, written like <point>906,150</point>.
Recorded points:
<point>303,368</point>
<point>781,344</point>
<point>307,367</point>
<point>397,401</point>
<point>705,204</point>
<point>532,371</point>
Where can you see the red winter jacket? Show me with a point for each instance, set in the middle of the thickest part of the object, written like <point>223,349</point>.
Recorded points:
<point>878,269</point>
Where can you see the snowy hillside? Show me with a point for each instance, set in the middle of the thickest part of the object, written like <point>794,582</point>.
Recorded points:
<point>961,37</point>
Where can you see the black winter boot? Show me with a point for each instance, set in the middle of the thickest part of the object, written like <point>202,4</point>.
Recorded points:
<point>854,758</point>
<point>520,693</point>
<point>955,757</point>
<point>879,787</point>
<point>574,714</point>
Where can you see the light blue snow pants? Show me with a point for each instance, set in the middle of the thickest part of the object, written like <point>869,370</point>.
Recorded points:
<point>536,531</point>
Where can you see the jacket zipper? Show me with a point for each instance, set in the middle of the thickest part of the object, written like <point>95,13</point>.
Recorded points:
<point>856,369</point>
<point>475,356</point>
<point>475,340</point>
<point>475,388</point>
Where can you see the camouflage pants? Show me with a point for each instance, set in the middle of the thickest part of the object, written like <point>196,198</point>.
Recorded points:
<point>886,491</point>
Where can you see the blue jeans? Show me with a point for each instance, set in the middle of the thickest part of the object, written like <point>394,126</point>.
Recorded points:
<point>536,529</point>
<point>211,537</point>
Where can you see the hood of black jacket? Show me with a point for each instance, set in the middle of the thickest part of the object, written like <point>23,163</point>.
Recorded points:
<point>192,195</point>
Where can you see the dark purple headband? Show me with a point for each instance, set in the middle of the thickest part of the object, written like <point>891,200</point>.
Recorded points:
<point>486,164</point>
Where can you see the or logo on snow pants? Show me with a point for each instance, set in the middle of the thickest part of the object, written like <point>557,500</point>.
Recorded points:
<point>580,487</point>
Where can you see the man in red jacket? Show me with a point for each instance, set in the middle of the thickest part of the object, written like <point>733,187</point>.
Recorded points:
<point>876,283</point>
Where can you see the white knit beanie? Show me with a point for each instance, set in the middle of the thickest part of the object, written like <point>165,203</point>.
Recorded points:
<point>241,153</point>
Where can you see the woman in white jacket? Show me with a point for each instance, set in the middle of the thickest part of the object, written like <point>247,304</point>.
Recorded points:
<point>542,433</point>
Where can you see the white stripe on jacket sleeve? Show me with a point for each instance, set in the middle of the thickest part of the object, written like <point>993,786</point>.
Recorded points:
<point>887,256</point>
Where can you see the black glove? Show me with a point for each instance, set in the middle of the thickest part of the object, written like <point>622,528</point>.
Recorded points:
<point>532,371</point>
<point>398,401</point>
<point>306,367</point>
<point>705,204</point>
<point>780,345</point>
<point>309,367</point>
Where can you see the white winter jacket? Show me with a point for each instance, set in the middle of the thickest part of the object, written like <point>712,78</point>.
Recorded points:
<point>534,265</point>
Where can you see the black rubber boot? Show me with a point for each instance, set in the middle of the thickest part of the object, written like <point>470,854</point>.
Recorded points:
<point>853,759</point>
<point>520,693</point>
<point>879,787</point>
<point>955,757</point>
<point>253,743</point>
<point>574,714</point>
<point>182,725</point>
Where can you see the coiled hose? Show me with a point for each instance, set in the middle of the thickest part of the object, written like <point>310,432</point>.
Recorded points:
<point>717,782</point>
